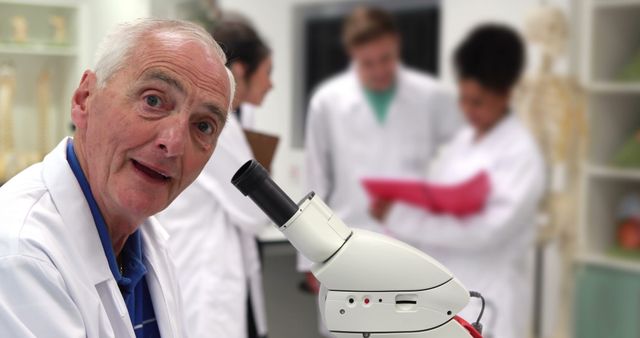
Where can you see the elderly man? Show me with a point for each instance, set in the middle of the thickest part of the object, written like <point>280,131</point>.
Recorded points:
<point>80,255</point>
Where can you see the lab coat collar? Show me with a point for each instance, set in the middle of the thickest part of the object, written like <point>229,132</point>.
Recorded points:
<point>401,75</point>
<point>70,202</point>
<point>495,138</point>
<point>73,208</point>
<point>403,91</point>
<point>132,250</point>
<point>166,296</point>
<point>360,100</point>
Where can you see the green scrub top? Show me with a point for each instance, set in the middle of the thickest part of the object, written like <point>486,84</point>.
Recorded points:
<point>380,102</point>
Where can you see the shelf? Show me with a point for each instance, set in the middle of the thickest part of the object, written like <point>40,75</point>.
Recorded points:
<point>38,50</point>
<point>615,87</point>
<point>628,265</point>
<point>70,4</point>
<point>613,173</point>
<point>616,3</point>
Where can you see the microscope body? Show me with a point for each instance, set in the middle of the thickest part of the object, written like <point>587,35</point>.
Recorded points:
<point>372,286</point>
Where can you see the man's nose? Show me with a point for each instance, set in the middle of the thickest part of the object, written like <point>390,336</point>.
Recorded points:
<point>173,135</point>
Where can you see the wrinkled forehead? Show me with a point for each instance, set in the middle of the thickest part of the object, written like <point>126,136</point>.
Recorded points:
<point>173,40</point>
<point>192,62</point>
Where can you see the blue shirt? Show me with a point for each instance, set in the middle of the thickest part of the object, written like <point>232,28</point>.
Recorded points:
<point>131,281</point>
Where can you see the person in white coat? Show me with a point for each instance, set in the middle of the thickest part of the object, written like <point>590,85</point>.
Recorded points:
<point>80,254</point>
<point>378,118</point>
<point>488,250</point>
<point>213,226</point>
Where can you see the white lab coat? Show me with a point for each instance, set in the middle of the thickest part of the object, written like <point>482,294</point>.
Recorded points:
<point>488,251</point>
<point>213,228</point>
<point>345,142</point>
<point>248,115</point>
<point>56,280</point>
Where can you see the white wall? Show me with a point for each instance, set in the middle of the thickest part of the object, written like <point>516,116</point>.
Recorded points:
<point>274,19</point>
<point>100,16</point>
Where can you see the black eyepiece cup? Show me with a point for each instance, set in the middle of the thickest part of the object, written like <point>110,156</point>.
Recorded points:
<point>253,180</point>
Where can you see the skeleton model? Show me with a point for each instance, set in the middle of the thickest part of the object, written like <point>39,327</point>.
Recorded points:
<point>553,107</point>
<point>20,29</point>
<point>59,25</point>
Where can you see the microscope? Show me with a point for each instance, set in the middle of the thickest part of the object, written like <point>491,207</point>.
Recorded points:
<point>372,286</point>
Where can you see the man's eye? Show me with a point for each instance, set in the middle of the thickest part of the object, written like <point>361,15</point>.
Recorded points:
<point>205,127</point>
<point>153,101</point>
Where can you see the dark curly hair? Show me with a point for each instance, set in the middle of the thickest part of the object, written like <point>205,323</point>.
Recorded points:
<point>493,55</point>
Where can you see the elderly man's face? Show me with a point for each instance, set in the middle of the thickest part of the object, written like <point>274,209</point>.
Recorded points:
<point>149,132</point>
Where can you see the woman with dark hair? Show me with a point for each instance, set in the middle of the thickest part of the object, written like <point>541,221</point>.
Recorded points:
<point>212,226</point>
<point>487,250</point>
<point>249,59</point>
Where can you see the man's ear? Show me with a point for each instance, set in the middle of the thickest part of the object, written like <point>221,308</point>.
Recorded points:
<point>79,101</point>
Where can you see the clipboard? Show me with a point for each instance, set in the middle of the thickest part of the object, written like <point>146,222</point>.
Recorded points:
<point>460,200</point>
<point>263,146</point>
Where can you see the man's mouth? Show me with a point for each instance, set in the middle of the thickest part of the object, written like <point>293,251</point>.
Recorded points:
<point>151,173</point>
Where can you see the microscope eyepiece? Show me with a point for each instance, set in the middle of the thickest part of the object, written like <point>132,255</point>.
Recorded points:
<point>253,180</point>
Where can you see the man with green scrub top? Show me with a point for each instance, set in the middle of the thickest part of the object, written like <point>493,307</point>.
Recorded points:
<point>377,118</point>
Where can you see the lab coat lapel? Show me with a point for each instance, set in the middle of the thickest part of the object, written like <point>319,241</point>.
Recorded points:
<point>401,102</point>
<point>74,210</point>
<point>161,279</point>
<point>499,135</point>
<point>358,105</point>
<point>478,155</point>
<point>402,94</point>
<point>446,168</point>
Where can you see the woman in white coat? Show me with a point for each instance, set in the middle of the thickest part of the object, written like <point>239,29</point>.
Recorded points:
<point>213,227</point>
<point>488,251</point>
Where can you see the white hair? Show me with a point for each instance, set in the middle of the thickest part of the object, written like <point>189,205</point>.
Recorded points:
<point>115,49</point>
